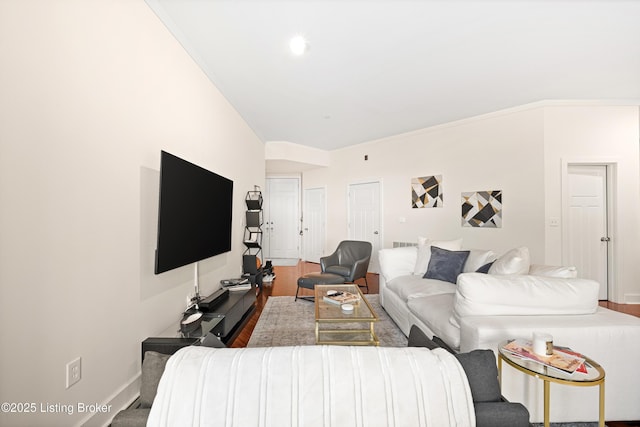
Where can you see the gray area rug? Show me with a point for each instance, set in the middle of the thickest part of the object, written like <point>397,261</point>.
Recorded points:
<point>285,321</point>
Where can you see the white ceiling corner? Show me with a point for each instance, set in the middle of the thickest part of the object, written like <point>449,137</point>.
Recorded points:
<point>382,67</point>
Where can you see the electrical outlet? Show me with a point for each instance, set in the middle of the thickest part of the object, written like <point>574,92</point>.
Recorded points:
<point>74,371</point>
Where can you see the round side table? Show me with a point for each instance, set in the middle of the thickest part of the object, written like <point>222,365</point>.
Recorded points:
<point>593,377</point>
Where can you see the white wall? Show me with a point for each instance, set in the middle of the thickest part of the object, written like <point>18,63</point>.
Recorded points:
<point>520,152</point>
<point>602,134</point>
<point>91,92</point>
<point>501,151</point>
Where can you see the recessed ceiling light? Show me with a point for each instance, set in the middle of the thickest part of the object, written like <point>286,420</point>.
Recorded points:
<point>298,45</point>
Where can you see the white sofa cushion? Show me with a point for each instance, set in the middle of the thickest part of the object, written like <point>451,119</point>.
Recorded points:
<point>435,311</point>
<point>416,286</point>
<point>480,294</point>
<point>396,262</point>
<point>424,252</point>
<point>477,258</point>
<point>553,271</point>
<point>515,261</point>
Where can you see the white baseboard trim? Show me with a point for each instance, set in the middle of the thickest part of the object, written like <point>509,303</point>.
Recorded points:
<point>119,400</point>
<point>632,298</point>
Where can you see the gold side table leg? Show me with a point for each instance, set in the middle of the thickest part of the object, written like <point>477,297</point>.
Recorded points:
<point>601,420</point>
<point>546,403</point>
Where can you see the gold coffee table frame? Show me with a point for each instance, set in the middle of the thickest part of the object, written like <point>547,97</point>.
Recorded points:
<point>593,377</point>
<point>331,315</point>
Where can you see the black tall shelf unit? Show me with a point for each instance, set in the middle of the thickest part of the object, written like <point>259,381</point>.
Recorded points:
<point>251,258</point>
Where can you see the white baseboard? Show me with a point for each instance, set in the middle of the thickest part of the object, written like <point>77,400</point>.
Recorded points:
<point>119,400</point>
<point>632,298</point>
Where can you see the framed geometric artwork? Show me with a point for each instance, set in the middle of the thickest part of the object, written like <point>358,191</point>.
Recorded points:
<point>482,209</point>
<point>426,192</point>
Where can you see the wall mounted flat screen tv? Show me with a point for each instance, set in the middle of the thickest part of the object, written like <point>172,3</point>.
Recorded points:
<point>194,214</point>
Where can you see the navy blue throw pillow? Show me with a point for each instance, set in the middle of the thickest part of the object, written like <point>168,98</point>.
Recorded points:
<point>485,268</point>
<point>445,265</point>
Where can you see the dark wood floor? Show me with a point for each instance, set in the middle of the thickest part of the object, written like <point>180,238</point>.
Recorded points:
<point>285,284</point>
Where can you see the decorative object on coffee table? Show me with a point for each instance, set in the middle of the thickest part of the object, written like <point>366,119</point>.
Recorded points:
<point>310,280</point>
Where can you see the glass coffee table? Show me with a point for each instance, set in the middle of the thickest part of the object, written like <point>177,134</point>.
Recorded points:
<point>337,327</point>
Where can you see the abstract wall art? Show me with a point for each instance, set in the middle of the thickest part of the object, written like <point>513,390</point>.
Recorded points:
<point>426,192</point>
<point>482,209</point>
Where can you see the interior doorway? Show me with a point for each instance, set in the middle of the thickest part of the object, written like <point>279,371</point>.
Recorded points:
<point>282,219</point>
<point>314,224</point>
<point>364,213</point>
<point>587,223</point>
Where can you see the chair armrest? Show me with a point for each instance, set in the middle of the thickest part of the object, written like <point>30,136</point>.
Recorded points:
<point>501,414</point>
<point>359,269</point>
<point>328,260</point>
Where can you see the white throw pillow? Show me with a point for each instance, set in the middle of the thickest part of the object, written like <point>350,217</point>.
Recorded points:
<point>424,251</point>
<point>515,261</point>
<point>477,258</point>
<point>553,271</point>
<point>395,262</point>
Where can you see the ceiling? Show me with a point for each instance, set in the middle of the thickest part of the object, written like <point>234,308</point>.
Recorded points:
<point>382,67</point>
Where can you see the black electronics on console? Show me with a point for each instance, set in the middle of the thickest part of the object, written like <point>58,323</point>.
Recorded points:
<point>213,300</point>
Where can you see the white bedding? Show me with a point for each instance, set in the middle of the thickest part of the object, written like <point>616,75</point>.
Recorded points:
<point>313,386</point>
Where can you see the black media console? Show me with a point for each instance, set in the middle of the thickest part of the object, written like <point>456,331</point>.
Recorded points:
<point>225,312</point>
<point>235,306</point>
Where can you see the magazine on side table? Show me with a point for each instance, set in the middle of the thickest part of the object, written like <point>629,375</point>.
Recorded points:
<point>562,358</point>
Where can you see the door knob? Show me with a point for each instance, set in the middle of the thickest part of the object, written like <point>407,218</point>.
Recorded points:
<point>375,232</point>
<point>605,239</point>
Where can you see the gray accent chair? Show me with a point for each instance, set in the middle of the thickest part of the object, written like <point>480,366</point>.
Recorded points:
<point>350,260</point>
<point>492,410</point>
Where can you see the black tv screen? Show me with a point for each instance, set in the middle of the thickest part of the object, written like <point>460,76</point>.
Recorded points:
<point>194,214</point>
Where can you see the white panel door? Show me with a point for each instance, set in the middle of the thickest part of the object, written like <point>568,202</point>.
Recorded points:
<point>282,215</point>
<point>588,238</point>
<point>314,220</point>
<point>364,217</point>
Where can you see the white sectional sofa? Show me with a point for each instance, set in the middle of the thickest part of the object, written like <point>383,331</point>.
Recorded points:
<point>512,300</point>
